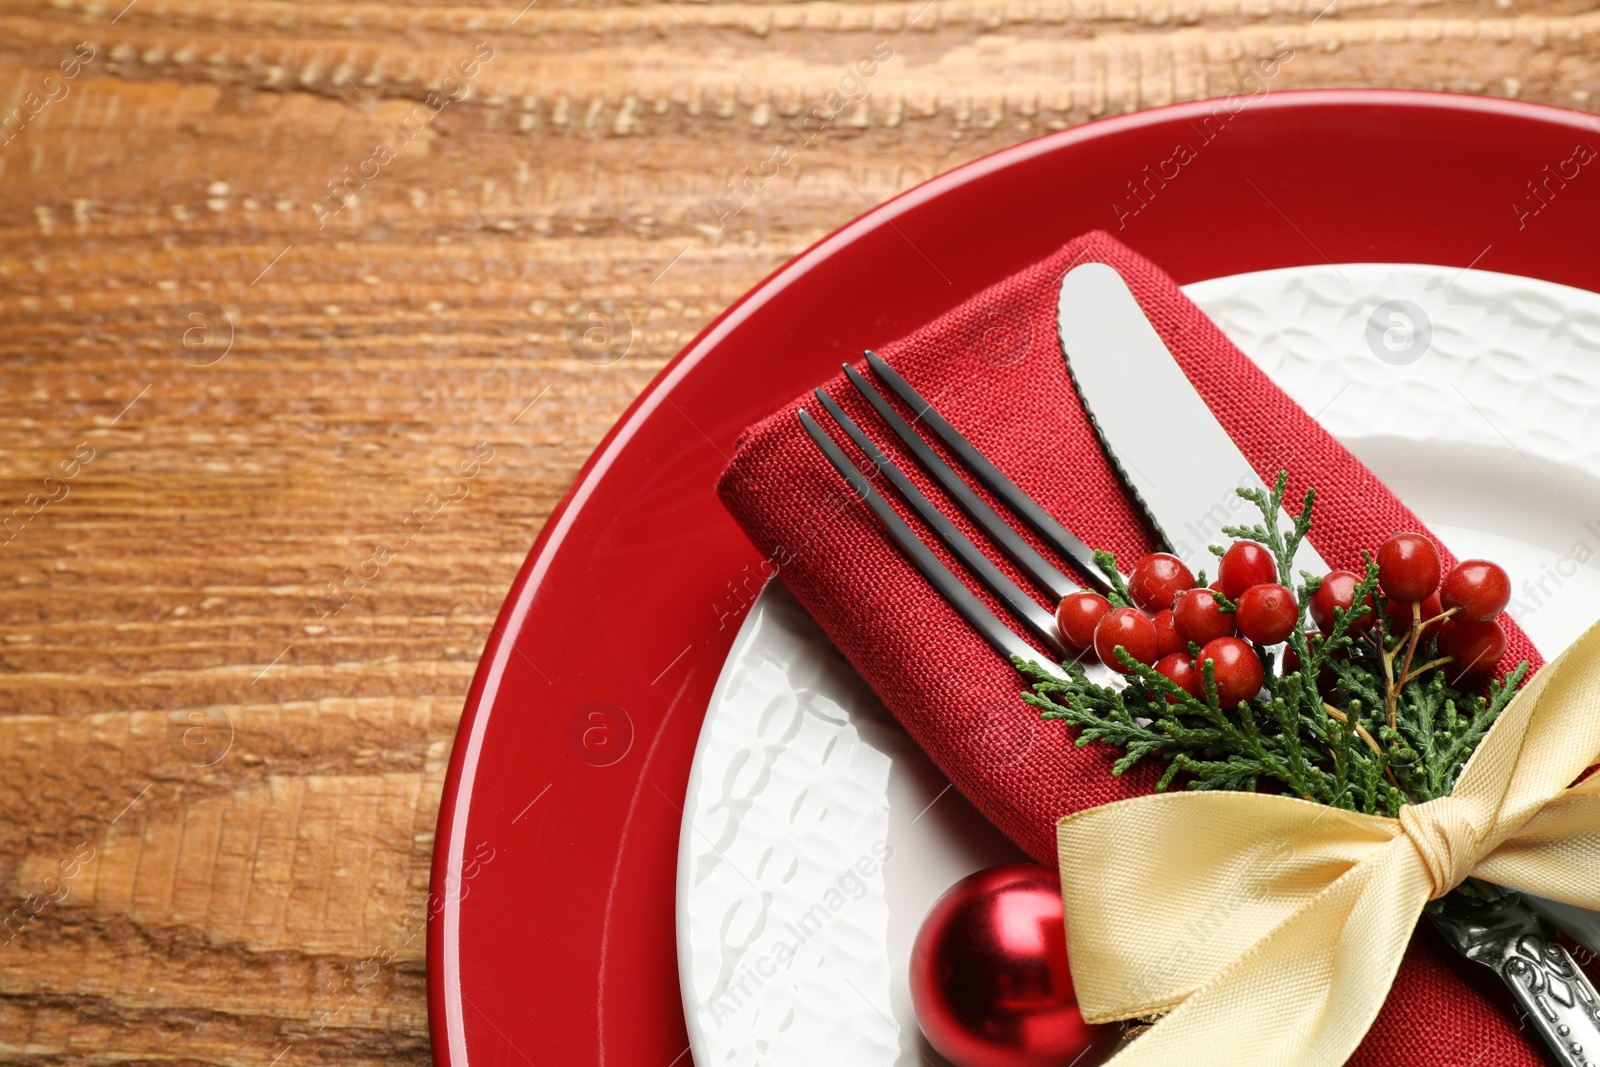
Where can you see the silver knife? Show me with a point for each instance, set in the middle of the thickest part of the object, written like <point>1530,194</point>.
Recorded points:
<point>1154,424</point>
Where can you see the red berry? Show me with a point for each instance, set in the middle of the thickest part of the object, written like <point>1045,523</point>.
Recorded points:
<point>1130,628</point>
<point>1267,613</point>
<point>1398,613</point>
<point>1473,647</point>
<point>1408,567</point>
<point>1156,579</point>
<point>1236,668</point>
<point>1198,618</point>
<point>1167,639</point>
<point>1480,589</point>
<point>1338,590</point>
<point>1179,670</point>
<point>1243,565</point>
<point>1076,617</point>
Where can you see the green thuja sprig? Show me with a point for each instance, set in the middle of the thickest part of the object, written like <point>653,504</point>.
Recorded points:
<point>1118,593</point>
<point>1374,740</point>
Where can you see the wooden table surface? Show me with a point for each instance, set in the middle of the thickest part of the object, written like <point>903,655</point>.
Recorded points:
<point>277,276</point>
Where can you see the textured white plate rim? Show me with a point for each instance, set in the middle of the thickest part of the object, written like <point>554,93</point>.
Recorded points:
<point>687,830</point>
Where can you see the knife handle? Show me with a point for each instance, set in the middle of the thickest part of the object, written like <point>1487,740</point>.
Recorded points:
<point>1550,989</point>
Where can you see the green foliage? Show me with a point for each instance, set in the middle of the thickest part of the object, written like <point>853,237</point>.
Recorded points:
<point>1386,733</point>
<point>1118,593</point>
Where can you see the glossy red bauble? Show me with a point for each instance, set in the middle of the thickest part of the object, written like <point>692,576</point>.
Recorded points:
<point>1480,590</point>
<point>1338,590</point>
<point>1236,668</point>
<point>1076,617</point>
<point>1473,647</point>
<point>989,978</point>
<point>1408,567</point>
<point>1198,618</point>
<point>1156,579</point>
<point>1246,563</point>
<point>1130,628</point>
<point>1267,613</point>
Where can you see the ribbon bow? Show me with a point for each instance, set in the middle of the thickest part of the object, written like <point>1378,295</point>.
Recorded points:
<point>1270,928</point>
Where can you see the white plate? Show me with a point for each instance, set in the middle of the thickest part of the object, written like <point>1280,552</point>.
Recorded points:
<point>816,835</point>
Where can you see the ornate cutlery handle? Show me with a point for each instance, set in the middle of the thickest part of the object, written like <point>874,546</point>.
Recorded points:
<point>1508,937</point>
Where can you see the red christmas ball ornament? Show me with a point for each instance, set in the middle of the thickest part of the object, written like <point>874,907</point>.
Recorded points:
<point>989,978</point>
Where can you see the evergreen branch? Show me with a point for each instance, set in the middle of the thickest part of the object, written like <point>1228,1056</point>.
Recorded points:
<point>1118,595</point>
<point>1376,740</point>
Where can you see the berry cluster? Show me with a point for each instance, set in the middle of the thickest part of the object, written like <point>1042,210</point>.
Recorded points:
<point>1170,612</point>
<point>1342,689</point>
<point>1460,612</point>
<point>1174,624</point>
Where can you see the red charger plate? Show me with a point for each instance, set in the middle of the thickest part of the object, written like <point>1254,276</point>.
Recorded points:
<point>551,937</point>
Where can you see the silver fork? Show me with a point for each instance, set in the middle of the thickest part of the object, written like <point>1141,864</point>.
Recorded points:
<point>1035,618</point>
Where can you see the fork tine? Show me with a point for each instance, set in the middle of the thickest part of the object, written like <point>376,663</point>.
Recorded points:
<point>955,593</point>
<point>1026,508</point>
<point>1032,563</point>
<point>1041,622</point>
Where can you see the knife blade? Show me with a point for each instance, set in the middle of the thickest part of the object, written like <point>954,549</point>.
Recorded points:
<point>1146,412</point>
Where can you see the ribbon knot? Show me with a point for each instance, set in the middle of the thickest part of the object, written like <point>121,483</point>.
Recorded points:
<point>1445,839</point>
<point>1203,906</point>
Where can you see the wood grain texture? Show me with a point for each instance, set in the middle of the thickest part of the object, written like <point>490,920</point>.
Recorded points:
<point>390,320</point>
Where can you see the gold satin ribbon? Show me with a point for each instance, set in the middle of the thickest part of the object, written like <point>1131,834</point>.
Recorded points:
<point>1270,928</point>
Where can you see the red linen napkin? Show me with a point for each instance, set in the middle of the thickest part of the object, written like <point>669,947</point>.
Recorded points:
<point>994,368</point>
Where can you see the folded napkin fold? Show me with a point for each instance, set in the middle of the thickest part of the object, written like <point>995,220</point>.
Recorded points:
<point>994,368</point>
